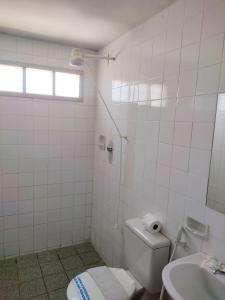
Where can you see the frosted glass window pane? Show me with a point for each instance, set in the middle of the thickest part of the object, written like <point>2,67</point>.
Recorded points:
<point>11,78</point>
<point>67,85</point>
<point>39,81</point>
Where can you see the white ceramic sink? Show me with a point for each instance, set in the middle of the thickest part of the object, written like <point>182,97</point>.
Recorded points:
<point>186,279</point>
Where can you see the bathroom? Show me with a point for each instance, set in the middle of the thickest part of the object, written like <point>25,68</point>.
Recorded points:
<point>109,111</point>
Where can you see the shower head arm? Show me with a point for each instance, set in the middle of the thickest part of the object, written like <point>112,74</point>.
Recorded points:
<point>78,56</point>
<point>99,56</point>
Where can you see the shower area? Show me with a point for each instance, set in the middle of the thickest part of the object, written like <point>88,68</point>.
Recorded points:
<point>46,169</point>
<point>46,153</point>
<point>48,146</point>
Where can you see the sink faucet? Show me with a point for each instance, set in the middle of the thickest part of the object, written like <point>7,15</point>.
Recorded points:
<point>215,266</point>
<point>219,269</point>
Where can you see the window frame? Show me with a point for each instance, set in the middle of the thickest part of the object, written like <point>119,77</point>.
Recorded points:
<point>23,94</point>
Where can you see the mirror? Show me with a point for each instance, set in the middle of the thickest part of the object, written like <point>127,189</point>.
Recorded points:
<point>216,184</point>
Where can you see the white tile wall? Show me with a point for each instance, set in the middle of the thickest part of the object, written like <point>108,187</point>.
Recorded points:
<point>46,155</point>
<point>174,58</point>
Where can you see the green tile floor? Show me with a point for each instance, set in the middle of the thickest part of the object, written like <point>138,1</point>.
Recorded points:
<point>45,275</point>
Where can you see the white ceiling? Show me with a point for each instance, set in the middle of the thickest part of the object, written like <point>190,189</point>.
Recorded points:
<point>84,23</point>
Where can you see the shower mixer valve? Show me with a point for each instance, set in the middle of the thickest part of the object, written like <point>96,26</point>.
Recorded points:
<point>109,149</point>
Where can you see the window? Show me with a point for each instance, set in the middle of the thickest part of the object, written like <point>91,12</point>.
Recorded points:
<point>67,85</point>
<point>39,81</point>
<point>29,80</point>
<point>11,78</point>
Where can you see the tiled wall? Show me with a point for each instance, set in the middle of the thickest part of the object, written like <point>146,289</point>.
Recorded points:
<point>46,154</point>
<point>162,89</point>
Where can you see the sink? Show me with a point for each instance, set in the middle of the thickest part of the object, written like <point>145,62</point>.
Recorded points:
<point>186,279</point>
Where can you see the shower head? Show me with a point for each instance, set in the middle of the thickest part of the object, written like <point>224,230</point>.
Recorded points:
<point>78,57</point>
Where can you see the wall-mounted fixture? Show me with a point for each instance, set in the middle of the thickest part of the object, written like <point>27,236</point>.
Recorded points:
<point>78,56</point>
<point>102,142</point>
<point>197,228</point>
<point>109,148</point>
<point>191,278</point>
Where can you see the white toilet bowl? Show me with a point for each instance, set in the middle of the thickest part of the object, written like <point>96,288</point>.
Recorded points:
<point>129,284</point>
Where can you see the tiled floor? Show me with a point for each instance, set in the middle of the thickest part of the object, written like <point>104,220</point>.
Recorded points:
<point>45,275</point>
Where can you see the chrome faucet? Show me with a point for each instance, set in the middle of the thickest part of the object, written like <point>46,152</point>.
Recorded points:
<point>215,266</point>
<point>219,269</point>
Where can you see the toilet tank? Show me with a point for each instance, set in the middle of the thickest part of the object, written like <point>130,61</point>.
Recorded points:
<point>146,254</point>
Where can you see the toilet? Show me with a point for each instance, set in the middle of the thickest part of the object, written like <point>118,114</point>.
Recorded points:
<point>146,255</point>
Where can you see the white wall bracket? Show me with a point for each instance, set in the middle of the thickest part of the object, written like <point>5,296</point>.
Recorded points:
<point>196,228</point>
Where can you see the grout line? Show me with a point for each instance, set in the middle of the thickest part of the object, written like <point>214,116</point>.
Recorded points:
<point>62,264</point>
<point>174,120</point>
<point>43,276</point>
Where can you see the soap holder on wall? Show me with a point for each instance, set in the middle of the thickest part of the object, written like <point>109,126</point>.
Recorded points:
<point>197,228</point>
<point>102,142</point>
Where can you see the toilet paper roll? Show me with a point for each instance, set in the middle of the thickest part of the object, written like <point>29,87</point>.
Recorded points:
<point>151,223</point>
